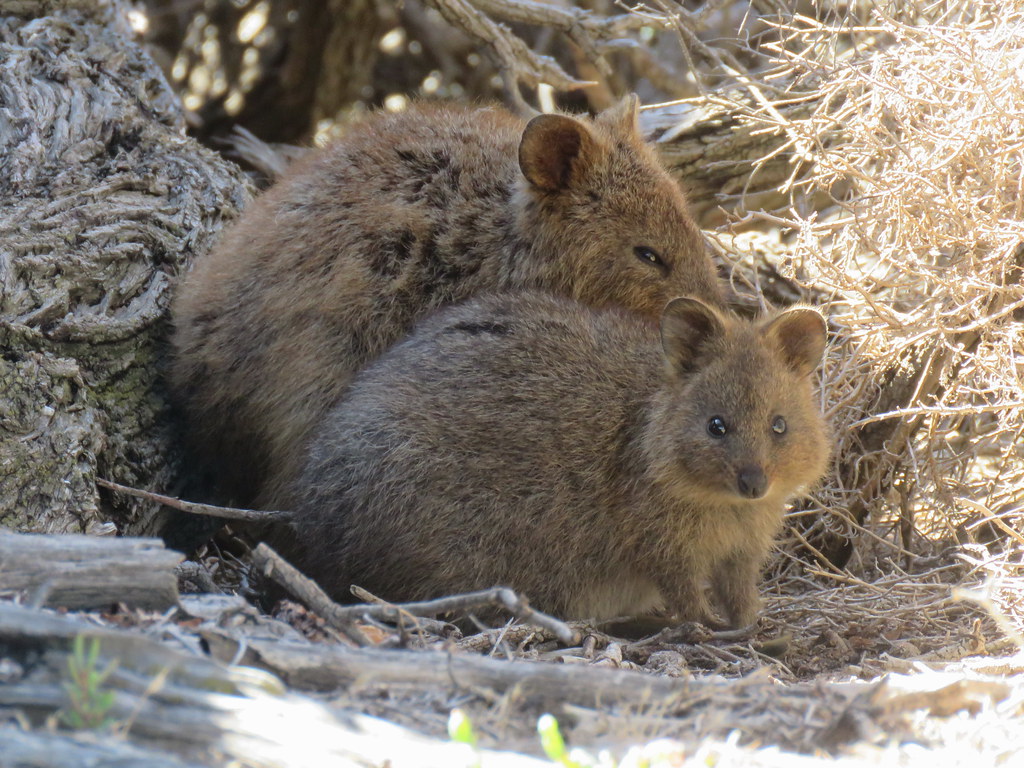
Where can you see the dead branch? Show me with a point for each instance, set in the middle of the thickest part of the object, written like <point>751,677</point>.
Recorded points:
<point>307,591</point>
<point>511,636</point>
<point>325,668</point>
<point>594,36</point>
<point>343,618</point>
<point>194,508</point>
<point>498,597</point>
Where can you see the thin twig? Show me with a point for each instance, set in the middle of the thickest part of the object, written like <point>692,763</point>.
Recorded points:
<point>501,597</point>
<point>439,628</point>
<point>208,510</point>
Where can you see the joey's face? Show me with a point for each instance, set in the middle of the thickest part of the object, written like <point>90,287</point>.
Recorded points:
<point>746,428</point>
<point>737,420</point>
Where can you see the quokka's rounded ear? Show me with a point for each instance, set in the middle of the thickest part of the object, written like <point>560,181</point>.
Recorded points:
<point>623,116</point>
<point>687,325</point>
<point>554,151</point>
<point>800,334</point>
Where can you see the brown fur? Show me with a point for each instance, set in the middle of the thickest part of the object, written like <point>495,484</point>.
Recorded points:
<point>407,213</point>
<point>529,441</point>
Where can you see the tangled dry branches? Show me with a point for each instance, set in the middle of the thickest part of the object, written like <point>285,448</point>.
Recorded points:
<point>904,213</point>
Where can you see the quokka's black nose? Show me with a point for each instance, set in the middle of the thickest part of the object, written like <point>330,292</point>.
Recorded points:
<point>751,482</point>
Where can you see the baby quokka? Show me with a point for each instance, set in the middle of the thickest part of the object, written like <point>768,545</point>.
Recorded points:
<point>570,453</point>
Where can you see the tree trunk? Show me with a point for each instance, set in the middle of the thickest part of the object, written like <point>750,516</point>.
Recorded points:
<point>104,203</point>
<point>346,61</point>
<point>309,59</point>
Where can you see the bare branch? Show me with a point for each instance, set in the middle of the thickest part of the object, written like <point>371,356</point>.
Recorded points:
<point>304,589</point>
<point>481,19</point>
<point>194,508</point>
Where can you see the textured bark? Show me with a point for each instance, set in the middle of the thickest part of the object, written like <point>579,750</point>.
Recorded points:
<point>103,202</point>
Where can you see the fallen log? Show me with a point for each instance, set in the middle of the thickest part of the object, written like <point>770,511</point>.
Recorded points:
<point>549,686</point>
<point>190,710</point>
<point>87,572</point>
<point>51,750</point>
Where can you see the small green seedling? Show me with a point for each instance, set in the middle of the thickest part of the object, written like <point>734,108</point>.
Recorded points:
<point>460,730</point>
<point>89,703</point>
<point>552,742</point>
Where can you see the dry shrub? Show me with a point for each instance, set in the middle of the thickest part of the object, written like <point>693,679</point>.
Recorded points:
<point>905,216</point>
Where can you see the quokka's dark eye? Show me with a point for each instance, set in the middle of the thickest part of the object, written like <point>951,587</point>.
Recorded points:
<point>649,255</point>
<point>716,426</point>
<point>779,425</point>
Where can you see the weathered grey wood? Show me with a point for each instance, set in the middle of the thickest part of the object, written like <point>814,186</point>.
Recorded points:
<point>718,155</point>
<point>304,589</point>
<point>322,667</point>
<point>197,710</point>
<point>193,709</point>
<point>330,667</point>
<point>85,572</point>
<point>27,749</point>
<point>103,201</point>
<point>317,667</point>
<point>263,730</point>
<point>25,630</point>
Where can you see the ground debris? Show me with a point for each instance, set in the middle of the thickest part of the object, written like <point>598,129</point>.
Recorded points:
<point>168,676</point>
